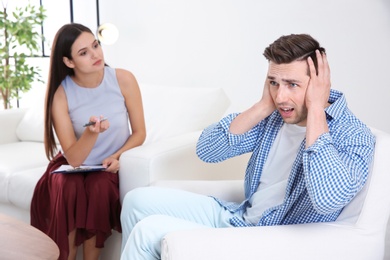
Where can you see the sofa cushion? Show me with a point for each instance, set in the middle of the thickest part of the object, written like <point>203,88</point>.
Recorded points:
<point>9,121</point>
<point>171,111</point>
<point>18,157</point>
<point>31,127</point>
<point>21,186</point>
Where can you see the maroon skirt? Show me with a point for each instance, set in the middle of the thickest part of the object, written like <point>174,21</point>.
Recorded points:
<point>88,202</point>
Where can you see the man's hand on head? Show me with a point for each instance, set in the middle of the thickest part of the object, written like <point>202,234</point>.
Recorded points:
<point>318,90</point>
<point>252,116</point>
<point>266,102</point>
<point>317,96</point>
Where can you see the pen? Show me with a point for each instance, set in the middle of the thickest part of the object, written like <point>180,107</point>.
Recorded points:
<point>92,123</point>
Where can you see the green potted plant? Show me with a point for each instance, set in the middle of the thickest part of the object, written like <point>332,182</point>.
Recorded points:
<point>20,38</point>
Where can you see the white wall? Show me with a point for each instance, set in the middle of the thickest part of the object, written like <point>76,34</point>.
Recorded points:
<point>219,43</point>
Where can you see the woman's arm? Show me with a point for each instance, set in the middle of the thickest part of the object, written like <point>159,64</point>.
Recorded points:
<point>133,100</point>
<point>76,151</point>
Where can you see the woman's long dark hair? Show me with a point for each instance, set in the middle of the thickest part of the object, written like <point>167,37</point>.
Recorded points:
<point>62,47</point>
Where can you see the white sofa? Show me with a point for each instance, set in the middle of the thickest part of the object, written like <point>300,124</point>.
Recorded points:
<point>174,118</point>
<point>358,233</point>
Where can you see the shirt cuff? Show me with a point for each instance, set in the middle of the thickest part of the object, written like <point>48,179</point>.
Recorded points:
<point>323,140</point>
<point>225,123</point>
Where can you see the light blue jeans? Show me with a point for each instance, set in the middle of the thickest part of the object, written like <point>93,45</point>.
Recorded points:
<point>151,212</point>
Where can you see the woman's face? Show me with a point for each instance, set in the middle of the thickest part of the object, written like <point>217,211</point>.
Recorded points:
<point>87,54</point>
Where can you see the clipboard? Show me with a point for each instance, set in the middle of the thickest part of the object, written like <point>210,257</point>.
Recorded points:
<point>82,168</point>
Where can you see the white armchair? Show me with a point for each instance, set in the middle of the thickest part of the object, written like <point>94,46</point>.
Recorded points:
<point>174,120</point>
<point>359,232</point>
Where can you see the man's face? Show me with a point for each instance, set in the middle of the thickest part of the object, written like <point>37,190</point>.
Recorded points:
<point>287,84</point>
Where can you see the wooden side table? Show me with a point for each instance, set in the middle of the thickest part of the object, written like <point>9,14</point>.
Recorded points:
<point>19,240</point>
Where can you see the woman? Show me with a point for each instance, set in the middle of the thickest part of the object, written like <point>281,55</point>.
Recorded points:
<point>83,208</point>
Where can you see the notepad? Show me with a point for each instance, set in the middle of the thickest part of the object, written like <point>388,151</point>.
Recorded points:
<point>83,168</point>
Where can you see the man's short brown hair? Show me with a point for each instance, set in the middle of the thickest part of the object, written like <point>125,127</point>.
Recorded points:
<point>293,47</point>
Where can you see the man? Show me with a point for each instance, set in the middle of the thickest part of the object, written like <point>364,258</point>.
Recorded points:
<point>310,157</point>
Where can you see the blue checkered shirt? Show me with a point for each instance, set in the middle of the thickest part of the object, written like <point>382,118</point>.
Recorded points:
<point>324,178</point>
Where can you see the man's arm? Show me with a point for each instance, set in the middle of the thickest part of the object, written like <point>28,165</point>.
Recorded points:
<point>336,166</point>
<point>251,117</point>
<point>317,95</point>
<point>217,144</point>
<point>235,134</point>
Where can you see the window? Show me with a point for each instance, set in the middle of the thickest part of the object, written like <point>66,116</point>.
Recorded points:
<point>57,13</point>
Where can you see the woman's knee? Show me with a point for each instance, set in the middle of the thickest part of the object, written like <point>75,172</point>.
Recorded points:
<point>101,184</point>
<point>70,184</point>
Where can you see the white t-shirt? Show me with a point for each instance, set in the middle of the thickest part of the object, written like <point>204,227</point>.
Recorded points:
<point>277,168</point>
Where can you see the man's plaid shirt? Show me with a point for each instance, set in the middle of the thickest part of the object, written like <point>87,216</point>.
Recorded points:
<point>324,177</point>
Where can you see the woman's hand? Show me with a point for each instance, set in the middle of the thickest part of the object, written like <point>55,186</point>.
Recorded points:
<point>111,164</point>
<point>101,124</point>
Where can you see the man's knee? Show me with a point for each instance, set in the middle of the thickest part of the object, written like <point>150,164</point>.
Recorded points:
<point>147,234</point>
<point>136,198</point>
<point>135,206</point>
<point>149,227</point>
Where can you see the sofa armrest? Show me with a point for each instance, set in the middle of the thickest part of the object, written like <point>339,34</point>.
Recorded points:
<point>9,121</point>
<point>305,241</point>
<point>173,159</point>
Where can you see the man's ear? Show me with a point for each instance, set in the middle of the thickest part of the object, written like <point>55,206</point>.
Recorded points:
<point>68,62</point>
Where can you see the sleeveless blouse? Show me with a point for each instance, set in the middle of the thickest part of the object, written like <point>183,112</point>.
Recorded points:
<point>104,100</point>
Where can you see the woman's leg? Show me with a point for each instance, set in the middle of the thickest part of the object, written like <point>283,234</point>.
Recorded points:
<point>103,211</point>
<point>67,203</point>
<point>150,213</point>
<point>90,251</point>
<point>72,245</point>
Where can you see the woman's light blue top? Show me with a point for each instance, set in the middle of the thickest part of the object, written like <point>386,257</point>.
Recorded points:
<point>104,100</point>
